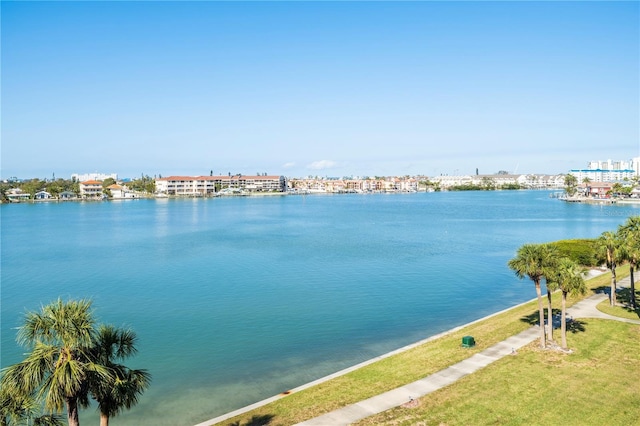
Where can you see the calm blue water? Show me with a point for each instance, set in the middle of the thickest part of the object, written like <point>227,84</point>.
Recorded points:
<point>238,299</point>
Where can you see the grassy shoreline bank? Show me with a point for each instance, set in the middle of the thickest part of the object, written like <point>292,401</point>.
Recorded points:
<point>401,368</point>
<point>594,385</point>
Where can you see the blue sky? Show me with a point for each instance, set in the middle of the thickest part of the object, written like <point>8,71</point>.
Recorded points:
<point>317,88</point>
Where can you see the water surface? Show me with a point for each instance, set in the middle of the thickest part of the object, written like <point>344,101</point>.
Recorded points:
<point>238,299</point>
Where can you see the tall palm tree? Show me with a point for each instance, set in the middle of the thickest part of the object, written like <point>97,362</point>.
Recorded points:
<point>608,250</point>
<point>56,369</point>
<point>122,389</point>
<point>551,287</point>
<point>629,233</point>
<point>534,261</point>
<point>552,255</point>
<point>568,278</point>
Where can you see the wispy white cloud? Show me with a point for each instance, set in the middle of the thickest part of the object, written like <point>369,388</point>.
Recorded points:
<point>322,165</point>
<point>289,165</point>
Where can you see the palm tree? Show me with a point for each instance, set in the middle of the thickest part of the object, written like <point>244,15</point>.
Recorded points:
<point>568,278</point>
<point>551,287</point>
<point>552,255</point>
<point>586,181</point>
<point>608,250</point>
<point>15,408</point>
<point>534,261</point>
<point>120,391</point>
<point>20,409</point>
<point>616,189</point>
<point>56,369</point>
<point>570,184</point>
<point>629,233</point>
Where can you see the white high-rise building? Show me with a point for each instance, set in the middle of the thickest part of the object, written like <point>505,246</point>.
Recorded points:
<point>611,165</point>
<point>635,165</point>
<point>608,171</point>
<point>93,176</point>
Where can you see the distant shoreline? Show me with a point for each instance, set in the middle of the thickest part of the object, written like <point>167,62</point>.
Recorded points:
<point>601,201</point>
<point>583,200</point>
<point>244,194</point>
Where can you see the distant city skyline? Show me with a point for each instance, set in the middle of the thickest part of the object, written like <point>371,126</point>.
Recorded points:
<point>631,164</point>
<point>317,88</point>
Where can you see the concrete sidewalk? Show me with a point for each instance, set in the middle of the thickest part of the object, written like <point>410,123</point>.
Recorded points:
<point>587,307</point>
<point>422,387</point>
<point>404,394</point>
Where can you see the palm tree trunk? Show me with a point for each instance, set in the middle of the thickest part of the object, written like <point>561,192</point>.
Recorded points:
<point>613,286</point>
<point>541,313</point>
<point>633,286</point>
<point>549,317</point>
<point>72,412</point>
<point>563,319</point>
<point>104,419</point>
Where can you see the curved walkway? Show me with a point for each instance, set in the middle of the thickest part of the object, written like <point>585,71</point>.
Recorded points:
<point>587,307</point>
<point>404,394</point>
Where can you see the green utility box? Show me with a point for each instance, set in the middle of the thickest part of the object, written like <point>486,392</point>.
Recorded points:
<point>468,342</point>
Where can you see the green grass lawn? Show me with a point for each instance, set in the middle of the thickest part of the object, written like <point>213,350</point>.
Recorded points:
<point>598,384</point>
<point>417,363</point>
<point>623,308</point>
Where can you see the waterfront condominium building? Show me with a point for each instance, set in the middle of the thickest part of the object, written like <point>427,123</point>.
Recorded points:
<point>203,185</point>
<point>90,188</point>
<point>608,171</point>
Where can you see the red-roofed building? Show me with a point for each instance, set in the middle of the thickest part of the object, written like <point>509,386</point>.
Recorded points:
<point>203,185</point>
<point>90,188</point>
<point>597,189</point>
<point>119,191</point>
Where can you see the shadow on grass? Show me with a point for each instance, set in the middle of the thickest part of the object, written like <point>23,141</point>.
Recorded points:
<point>532,318</point>
<point>623,298</point>
<point>255,421</point>
<point>602,289</point>
<point>573,326</point>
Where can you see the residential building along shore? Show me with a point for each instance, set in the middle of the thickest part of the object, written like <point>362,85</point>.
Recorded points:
<point>214,185</point>
<point>209,185</point>
<point>608,171</point>
<point>597,179</point>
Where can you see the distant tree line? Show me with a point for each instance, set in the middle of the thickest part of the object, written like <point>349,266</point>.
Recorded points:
<point>486,184</point>
<point>54,186</point>
<point>429,185</point>
<point>143,184</point>
<point>57,186</point>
